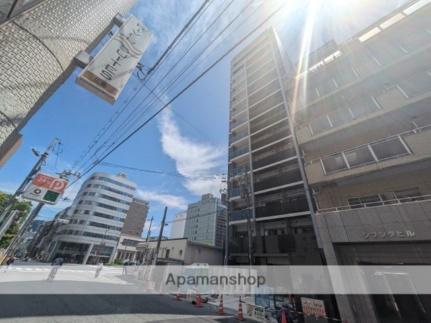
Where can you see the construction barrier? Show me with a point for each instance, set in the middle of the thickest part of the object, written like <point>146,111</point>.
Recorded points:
<point>240,315</point>
<point>221,307</point>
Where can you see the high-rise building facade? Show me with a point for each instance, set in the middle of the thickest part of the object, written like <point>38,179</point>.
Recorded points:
<point>178,225</point>
<point>206,221</point>
<point>97,216</point>
<point>39,40</point>
<point>269,214</point>
<point>136,217</point>
<point>363,115</point>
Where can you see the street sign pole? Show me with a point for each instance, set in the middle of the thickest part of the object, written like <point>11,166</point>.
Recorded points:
<point>36,168</point>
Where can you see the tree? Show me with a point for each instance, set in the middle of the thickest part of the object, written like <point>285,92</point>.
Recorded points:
<point>23,207</point>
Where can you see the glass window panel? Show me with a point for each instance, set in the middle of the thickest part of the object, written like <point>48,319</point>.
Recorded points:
<point>409,194</point>
<point>334,163</point>
<point>363,106</point>
<point>389,149</point>
<point>340,117</point>
<point>360,156</point>
<point>320,124</point>
<point>416,84</point>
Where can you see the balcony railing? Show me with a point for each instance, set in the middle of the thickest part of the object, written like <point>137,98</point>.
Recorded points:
<point>234,192</point>
<point>268,136</point>
<point>273,244</point>
<point>238,170</point>
<point>294,205</point>
<point>238,121</point>
<point>239,215</point>
<point>237,136</point>
<point>238,152</point>
<point>268,119</point>
<point>409,199</point>
<point>267,103</point>
<point>278,180</point>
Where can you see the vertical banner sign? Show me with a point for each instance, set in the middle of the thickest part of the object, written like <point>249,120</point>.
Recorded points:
<point>313,307</point>
<point>45,188</point>
<point>109,71</point>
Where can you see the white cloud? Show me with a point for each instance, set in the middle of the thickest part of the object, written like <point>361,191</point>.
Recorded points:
<point>172,201</point>
<point>196,161</point>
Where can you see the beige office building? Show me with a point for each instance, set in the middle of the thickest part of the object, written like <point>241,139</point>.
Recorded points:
<point>363,122</point>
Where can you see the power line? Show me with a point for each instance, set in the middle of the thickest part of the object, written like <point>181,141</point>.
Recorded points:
<point>186,88</point>
<point>115,117</point>
<point>156,172</point>
<point>145,111</point>
<point>123,125</point>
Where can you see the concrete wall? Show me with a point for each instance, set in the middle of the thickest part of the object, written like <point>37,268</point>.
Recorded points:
<point>38,47</point>
<point>196,253</point>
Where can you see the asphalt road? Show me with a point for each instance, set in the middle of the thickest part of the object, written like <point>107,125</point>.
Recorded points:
<point>27,296</point>
<point>104,308</point>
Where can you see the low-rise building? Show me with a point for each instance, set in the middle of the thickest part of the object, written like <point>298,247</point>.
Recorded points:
<point>126,248</point>
<point>180,252</point>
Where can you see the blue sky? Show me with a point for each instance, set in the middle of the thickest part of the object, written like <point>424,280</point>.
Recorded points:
<point>191,138</point>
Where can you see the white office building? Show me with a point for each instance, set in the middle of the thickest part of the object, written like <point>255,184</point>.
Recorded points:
<point>206,221</point>
<point>97,217</point>
<point>178,225</point>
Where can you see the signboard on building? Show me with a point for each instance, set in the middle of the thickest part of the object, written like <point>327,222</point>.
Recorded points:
<point>107,74</point>
<point>45,188</point>
<point>313,307</point>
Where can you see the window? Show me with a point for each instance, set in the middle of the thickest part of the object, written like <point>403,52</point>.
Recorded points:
<point>358,202</point>
<point>334,163</point>
<point>320,124</point>
<point>410,194</point>
<point>389,148</point>
<point>360,156</point>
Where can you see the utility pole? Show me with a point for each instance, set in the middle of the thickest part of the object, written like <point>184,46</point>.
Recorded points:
<point>36,168</point>
<point>149,229</point>
<point>159,240</point>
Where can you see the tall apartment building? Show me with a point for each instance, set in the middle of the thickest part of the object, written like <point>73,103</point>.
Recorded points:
<point>39,40</point>
<point>97,216</point>
<point>364,124</point>
<point>178,225</point>
<point>206,221</point>
<point>135,218</point>
<point>265,181</point>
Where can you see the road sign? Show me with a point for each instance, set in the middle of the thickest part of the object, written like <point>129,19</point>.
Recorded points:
<point>45,188</point>
<point>107,74</point>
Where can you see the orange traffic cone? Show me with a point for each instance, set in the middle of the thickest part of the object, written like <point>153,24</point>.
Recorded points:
<point>240,315</point>
<point>221,307</point>
<point>198,301</point>
<point>283,316</point>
